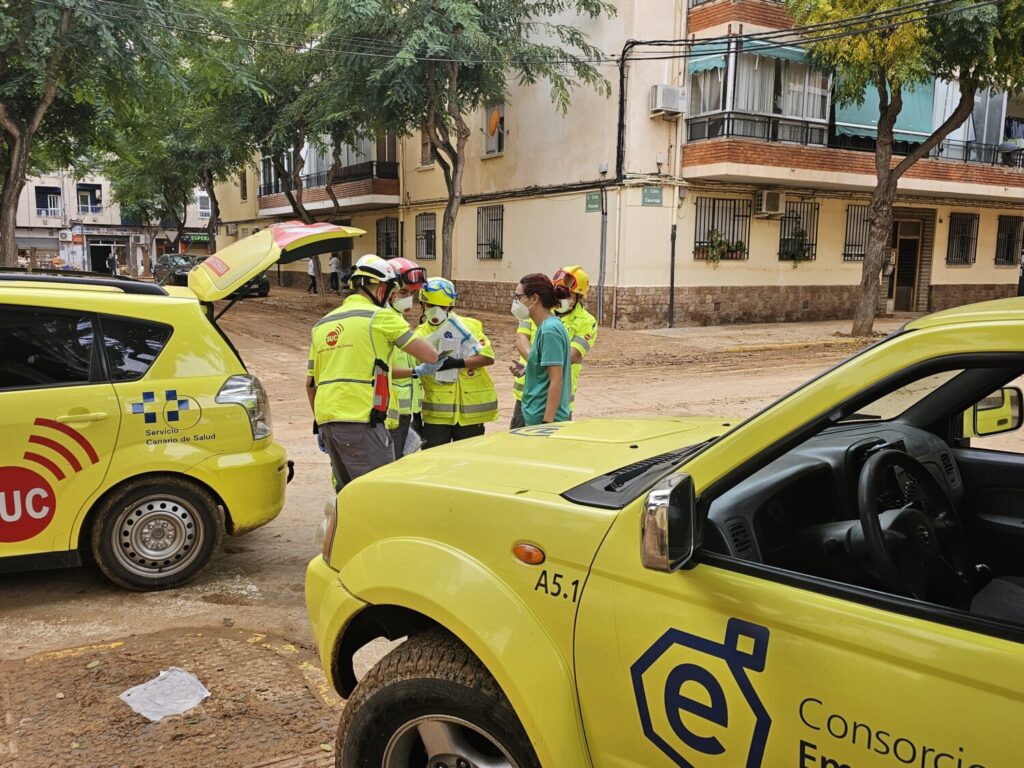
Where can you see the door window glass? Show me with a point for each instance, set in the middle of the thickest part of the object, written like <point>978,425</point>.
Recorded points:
<point>42,348</point>
<point>132,346</point>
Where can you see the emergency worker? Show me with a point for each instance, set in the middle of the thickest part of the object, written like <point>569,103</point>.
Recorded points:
<point>457,410</point>
<point>348,382</point>
<point>406,388</point>
<point>547,390</point>
<point>579,324</point>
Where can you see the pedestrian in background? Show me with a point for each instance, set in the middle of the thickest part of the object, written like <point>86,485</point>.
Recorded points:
<point>335,270</point>
<point>348,382</point>
<point>112,263</point>
<point>457,409</point>
<point>311,273</point>
<point>547,390</point>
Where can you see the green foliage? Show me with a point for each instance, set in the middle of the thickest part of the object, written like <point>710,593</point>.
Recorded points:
<point>795,248</point>
<point>718,247</point>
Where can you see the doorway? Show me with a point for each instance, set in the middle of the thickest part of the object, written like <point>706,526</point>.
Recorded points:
<point>906,247</point>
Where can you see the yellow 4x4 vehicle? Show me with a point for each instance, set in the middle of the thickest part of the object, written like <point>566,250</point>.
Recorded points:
<point>837,581</point>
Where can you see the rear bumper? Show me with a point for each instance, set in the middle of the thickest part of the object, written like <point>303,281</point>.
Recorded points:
<point>330,608</point>
<point>251,485</point>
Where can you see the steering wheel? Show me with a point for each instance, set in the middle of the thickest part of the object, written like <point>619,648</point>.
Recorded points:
<point>917,548</point>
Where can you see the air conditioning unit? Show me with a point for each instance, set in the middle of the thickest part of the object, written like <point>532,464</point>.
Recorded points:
<point>769,203</point>
<point>139,239</point>
<point>64,236</point>
<point>667,100</point>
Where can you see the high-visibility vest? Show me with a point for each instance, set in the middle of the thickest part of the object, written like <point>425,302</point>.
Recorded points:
<point>471,398</point>
<point>406,394</point>
<point>345,344</point>
<point>582,329</point>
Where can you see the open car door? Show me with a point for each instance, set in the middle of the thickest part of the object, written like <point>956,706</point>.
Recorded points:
<point>228,270</point>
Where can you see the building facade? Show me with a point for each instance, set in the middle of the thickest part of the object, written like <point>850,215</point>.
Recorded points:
<point>719,187</point>
<point>65,221</point>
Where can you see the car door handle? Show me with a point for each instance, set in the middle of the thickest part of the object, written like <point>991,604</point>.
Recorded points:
<point>80,417</point>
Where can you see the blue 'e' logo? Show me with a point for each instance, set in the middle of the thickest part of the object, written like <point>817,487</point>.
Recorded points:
<point>693,698</point>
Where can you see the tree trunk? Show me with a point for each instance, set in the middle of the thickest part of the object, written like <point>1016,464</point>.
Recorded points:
<point>14,182</point>
<point>876,255</point>
<point>455,167</point>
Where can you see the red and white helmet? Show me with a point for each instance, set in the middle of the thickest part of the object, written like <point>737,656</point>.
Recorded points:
<point>411,275</point>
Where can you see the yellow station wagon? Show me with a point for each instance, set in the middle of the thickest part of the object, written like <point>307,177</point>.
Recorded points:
<point>837,582</point>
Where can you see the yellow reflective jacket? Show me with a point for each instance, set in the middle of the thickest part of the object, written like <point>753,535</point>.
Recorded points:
<point>471,398</point>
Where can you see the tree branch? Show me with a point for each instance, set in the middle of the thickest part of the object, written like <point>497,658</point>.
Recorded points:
<point>50,79</point>
<point>963,109</point>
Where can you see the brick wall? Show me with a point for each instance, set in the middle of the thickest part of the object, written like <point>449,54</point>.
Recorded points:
<point>761,12</point>
<point>825,159</point>
<point>947,296</point>
<point>356,188</point>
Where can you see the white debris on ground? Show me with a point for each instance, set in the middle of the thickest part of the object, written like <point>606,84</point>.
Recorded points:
<point>172,692</point>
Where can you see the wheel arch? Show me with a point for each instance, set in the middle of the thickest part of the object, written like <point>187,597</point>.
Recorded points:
<point>491,621</point>
<point>83,532</point>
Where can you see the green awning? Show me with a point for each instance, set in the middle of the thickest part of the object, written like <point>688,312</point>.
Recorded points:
<point>772,49</point>
<point>913,124</point>
<point>705,56</point>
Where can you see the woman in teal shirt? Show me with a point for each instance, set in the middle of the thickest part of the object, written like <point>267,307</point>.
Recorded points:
<point>548,388</point>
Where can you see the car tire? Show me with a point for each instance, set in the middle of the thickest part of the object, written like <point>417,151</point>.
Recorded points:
<point>156,533</point>
<point>431,684</point>
<point>264,290</point>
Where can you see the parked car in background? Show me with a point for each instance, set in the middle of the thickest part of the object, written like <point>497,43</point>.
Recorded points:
<point>173,269</point>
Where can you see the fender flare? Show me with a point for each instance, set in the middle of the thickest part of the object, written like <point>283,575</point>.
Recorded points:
<point>440,583</point>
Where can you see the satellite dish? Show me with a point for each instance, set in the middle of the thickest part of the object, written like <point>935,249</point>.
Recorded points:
<point>493,122</point>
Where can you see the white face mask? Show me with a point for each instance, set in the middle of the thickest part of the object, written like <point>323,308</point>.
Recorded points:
<point>520,310</point>
<point>402,303</point>
<point>564,305</point>
<point>436,315</point>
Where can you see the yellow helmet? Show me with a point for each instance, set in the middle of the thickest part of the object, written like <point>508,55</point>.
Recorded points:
<point>573,278</point>
<point>439,292</point>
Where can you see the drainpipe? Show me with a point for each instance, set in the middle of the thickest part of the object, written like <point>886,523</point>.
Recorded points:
<point>603,257</point>
<point>672,281</point>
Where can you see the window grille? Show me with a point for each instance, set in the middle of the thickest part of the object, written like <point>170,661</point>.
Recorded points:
<point>963,238</point>
<point>798,235</point>
<point>856,233</point>
<point>243,186</point>
<point>1009,240</point>
<point>387,237</point>
<point>490,226</point>
<point>723,229</point>
<point>426,236</point>
<point>426,149</point>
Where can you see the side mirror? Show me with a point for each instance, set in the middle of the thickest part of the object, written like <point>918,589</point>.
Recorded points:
<point>1000,412</point>
<point>668,531</point>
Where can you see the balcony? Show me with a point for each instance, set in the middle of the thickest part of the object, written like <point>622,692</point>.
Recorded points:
<point>50,213</point>
<point>90,209</point>
<point>740,125</point>
<point>361,185</point>
<point>373,169</point>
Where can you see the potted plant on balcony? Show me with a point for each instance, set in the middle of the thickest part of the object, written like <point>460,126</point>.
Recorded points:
<point>717,248</point>
<point>795,248</point>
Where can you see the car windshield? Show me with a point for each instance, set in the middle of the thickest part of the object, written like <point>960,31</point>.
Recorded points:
<point>895,403</point>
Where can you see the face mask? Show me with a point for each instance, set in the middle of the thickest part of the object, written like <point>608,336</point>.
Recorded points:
<point>520,310</point>
<point>402,303</point>
<point>564,306</point>
<point>436,315</point>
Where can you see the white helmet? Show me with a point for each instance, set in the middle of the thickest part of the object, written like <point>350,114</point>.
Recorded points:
<point>372,268</point>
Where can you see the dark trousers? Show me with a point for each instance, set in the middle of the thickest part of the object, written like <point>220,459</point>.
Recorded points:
<point>518,422</point>
<point>311,288</point>
<point>401,433</point>
<point>334,281</point>
<point>441,434</point>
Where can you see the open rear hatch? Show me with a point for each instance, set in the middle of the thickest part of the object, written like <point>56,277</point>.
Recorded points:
<point>230,269</point>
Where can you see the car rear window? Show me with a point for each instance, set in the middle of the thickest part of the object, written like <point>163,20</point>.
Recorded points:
<point>132,346</point>
<point>45,348</point>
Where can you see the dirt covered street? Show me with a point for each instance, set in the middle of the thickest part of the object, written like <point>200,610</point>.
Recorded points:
<point>70,643</point>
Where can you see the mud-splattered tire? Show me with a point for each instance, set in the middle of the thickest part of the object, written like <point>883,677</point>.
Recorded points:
<point>156,533</point>
<point>427,702</point>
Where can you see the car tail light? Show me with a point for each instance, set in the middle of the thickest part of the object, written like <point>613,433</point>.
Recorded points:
<point>330,528</point>
<point>247,392</point>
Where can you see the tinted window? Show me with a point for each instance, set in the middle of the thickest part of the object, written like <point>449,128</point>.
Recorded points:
<point>40,348</point>
<point>131,346</point>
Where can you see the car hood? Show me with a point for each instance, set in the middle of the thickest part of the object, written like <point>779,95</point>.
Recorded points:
<point>552,458</point>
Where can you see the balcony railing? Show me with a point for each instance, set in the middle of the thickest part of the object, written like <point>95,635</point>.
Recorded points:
<point>373,169</point>
<point>787,130</point>
<point>90,208</point>
<point>50,213</point>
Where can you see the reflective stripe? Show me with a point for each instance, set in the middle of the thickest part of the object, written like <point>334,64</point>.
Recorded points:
<point>439,407</point>
<point>406,403</point>
<point>526,326</point>
<point>582,342</point>
<point>480,407</point>
<point>404,339</point>
<point>344,381</point>
<point>518,386</point>
<point>344,316</point>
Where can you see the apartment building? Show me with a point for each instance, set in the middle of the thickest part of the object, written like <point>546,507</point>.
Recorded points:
<point>65,221</point>
<point>719,188</point>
